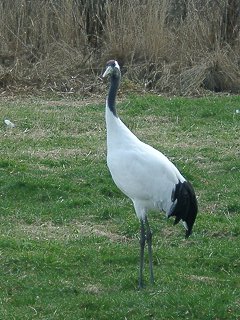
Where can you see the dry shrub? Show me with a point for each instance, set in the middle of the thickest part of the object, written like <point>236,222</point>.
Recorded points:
<point>136,31</point>
<point>177,47</point>
<point>180,47</point>
<point>46,43</point>
<point>222,74</point>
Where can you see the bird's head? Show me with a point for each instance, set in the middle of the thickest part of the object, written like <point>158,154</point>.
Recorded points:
<point>112,68</point>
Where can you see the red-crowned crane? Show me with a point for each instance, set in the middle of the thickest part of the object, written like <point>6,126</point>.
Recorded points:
<point>144,174</point>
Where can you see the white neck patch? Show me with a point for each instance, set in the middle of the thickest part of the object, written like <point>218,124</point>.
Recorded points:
<point>117,65</point>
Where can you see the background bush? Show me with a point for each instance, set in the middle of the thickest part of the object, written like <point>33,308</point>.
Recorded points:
<point>174,46</point>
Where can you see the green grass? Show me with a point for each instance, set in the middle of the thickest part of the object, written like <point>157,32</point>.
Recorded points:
<point>69,238</point>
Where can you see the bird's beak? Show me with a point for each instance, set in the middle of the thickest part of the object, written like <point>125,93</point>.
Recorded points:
<point>107,71</point>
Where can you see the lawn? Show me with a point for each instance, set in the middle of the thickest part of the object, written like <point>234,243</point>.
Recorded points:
<point>69,243</point>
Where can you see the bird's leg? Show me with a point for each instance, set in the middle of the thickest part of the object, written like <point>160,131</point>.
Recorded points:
<point>149,242</point>
<point>142,245</point>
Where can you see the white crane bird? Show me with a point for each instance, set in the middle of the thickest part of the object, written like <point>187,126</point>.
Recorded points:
<point>144,174</point>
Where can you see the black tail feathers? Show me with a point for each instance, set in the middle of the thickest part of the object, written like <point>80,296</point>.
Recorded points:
<point>184,205</point>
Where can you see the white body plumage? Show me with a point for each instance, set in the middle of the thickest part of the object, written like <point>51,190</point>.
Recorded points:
<point>141,172</point>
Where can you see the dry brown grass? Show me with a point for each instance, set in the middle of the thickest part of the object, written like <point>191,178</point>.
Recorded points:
<point>180,47</point>
<point>74,230</point>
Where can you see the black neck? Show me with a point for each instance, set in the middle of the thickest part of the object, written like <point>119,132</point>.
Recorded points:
<point>115,79</point>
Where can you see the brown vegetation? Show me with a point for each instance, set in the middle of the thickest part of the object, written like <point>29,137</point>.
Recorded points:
<point>174,46</point>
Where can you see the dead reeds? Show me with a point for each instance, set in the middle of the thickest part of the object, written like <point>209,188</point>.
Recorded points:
<point>181,47</point>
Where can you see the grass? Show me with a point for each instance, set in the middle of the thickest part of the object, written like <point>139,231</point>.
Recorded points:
<point>69,238</point>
